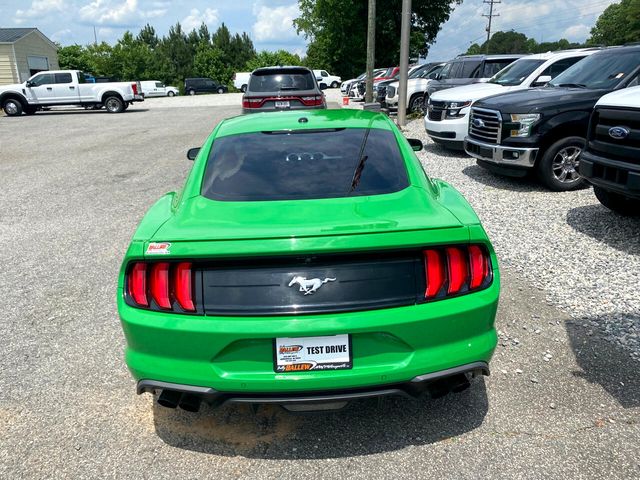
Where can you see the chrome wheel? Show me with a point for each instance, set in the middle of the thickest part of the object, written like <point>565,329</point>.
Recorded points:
<point>113,105</point>
<point>565,165</point>
<point>11,107</point>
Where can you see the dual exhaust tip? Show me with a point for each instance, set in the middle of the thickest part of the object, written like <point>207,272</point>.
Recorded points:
<point>186,401</point>
<point>191,402</point>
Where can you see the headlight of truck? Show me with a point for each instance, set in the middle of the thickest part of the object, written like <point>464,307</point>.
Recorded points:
<point>453,108</point>
<point>525,121</point>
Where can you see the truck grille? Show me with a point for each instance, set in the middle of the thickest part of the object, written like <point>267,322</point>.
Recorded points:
<point>601,142</point>
<point>436,111</point>
<point>485,125</point>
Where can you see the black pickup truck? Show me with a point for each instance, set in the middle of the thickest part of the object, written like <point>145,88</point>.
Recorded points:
<point>611,158</point>
<point>544,129</point>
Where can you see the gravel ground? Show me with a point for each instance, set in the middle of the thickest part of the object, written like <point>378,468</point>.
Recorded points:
<point>585,257</point>
<point>562,401</point>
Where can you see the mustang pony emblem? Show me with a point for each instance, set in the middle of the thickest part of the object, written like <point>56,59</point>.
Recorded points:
<point>311,285</point>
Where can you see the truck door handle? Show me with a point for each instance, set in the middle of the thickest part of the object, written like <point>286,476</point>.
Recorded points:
<point>49,88</point>
<point>72,87</point>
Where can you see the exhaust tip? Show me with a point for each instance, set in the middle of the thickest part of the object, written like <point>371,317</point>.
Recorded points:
<point>190,403</point>
<point>169,398</point>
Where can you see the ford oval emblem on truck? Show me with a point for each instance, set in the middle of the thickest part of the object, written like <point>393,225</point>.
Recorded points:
<point>478,123</point>
<point>619,133</point>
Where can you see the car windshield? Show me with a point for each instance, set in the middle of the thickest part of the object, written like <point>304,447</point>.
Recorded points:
<point>275,81</point>
<point>599,71</point>
<point>302,164</point>
<point>516,73</point>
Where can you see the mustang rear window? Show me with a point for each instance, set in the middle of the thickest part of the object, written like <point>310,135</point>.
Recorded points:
<point>304,165</point>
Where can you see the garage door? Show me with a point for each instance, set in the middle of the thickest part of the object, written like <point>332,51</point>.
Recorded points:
<point>37,64</point>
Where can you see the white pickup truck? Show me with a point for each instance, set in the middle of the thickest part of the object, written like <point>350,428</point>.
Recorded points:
<point>67,87</point>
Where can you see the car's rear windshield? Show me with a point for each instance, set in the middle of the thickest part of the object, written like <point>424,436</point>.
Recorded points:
<point>302,164</point>
<point>284,79</point>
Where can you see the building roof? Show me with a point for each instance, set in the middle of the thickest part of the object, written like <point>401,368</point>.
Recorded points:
<point>12,35</point>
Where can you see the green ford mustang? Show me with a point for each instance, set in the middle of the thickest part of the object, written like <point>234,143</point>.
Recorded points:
<point>308,261</point>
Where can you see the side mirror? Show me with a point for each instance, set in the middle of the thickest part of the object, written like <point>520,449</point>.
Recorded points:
<point>416,145</point>
<point>542,80</point>
<point>323,86</point>
<point>192,153</point>
<point>29,84</point>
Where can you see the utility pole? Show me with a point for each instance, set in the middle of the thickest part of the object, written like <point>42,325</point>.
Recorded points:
<point>491,3</point>
<point>371,50</point>
<point>95,37</point>
<point>405,30</point>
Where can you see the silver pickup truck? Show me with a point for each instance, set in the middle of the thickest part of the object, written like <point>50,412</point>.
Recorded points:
<point>67,87</point>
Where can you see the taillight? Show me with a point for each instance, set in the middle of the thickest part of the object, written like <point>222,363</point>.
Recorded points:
<point>312,101</point>
<point>182,286</point>
<point>252,102</point>
<point>169,285</point>
<point>134,87</point>
<point>137,284</point>
<point>455,270</point>
<point>159,284</point>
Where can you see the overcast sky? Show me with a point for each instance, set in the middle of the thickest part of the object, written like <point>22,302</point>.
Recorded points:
<point>269,22</point>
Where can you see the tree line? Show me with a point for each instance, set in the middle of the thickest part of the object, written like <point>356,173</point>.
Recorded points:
<point>174,57</point>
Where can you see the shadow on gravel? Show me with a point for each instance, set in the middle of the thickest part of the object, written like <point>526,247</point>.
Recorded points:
<point>364,427</point>
<point>605,363</point>
<point>443,152</point>
<point>596,221</point>
<point>481,175</point>
<point>87,112</point>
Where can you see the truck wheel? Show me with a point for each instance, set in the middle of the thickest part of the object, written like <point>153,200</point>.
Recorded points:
<point>558,168</point>
<point>170,94</point>
<point>334,85</point>
<point>220,90</point>
<point>114,104</point>
<point>192,92</point>
<point>243,88</point>
<point>618,203</point>
<point>12,107</point>
<point>415,103</point>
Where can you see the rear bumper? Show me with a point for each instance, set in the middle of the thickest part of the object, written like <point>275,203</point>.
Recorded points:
<point>302,107</point>
<point>414,388</point>
<point>612,175</point>
<point>235,354</point>
<point>511,157</point>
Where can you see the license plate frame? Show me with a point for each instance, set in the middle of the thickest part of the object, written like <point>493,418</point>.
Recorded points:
<point>283,104</point>
<point>288,358</point>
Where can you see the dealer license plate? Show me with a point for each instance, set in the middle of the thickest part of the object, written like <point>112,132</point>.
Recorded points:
<point>305,354</point>
<point>282,105</point>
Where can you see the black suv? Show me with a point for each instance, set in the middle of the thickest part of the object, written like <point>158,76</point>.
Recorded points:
<point>203,85</point>
<point>544,129</point>
<point>467,69</point>
<point>283,88</point>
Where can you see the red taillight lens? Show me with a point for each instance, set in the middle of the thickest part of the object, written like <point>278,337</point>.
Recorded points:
<point>134,87</point>
<point>182,286</point>
<point>479,266</point>
<point>159,284</point>
<point>457,263</point>
<point>435,272</point>
<point>252,102</point>
<point>455,270</point>
<point>137,284</point>
<point>312,101</point>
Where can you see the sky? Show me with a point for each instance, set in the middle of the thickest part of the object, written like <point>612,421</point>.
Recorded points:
<point>269,22</point>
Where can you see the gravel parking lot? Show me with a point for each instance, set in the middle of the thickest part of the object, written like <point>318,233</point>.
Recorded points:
<point>563,400</point>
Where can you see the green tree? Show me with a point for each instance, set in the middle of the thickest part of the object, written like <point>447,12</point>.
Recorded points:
<point>73,57</point>
<point>208,62</point>
<point>515,42</point>
<point>132,59</point>
<point>337,31</point>
<point>268,59</point>
<point>618,24</point>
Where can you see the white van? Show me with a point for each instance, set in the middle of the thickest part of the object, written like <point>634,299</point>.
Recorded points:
<point>331,81</point>
<point>241,80</point>
<point>154,88</point>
